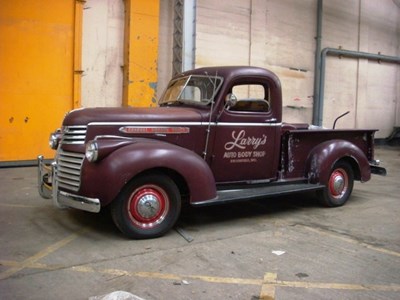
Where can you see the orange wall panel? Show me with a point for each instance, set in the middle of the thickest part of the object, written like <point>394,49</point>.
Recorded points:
<point>36,77</point>
<point>141,53</point>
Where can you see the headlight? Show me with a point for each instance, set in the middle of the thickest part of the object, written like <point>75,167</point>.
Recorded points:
<point>54,139</point>
<point>92,151</point>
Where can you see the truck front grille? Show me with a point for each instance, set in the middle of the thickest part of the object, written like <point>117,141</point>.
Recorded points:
<point>74,135</point>
<point>69,169</point>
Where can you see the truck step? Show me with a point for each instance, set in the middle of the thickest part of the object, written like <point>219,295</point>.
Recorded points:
<point>252,193</point>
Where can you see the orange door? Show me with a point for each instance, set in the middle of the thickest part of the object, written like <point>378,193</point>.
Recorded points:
<point>36,74</point>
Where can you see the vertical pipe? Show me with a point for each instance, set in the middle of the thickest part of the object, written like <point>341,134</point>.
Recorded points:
<point>189,34</point>
<point>317,65</point>
<point>320,99</point>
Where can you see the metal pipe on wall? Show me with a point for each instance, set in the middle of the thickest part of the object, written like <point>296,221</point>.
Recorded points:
<point>317,64</point>
<point>317,118</point>
<point>189,35</point>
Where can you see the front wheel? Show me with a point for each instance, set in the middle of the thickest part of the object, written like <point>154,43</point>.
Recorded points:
<point>339,186</point>
<point>147,207</point>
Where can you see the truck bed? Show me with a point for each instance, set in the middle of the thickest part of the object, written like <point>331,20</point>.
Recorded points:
<point>297,144</point>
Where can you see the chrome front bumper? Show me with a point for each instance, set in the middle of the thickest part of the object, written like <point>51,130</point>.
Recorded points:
<point>48,188</point>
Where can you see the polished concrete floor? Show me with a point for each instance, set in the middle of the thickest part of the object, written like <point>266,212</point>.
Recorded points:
<point>280,248</point>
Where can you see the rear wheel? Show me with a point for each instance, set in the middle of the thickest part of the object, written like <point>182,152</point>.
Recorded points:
<point>147,207</point>
<point>339,186</point>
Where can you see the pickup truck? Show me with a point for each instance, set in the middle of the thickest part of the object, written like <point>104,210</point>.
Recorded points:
<point>216,136</point>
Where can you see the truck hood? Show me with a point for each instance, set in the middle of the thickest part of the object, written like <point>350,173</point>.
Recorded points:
<point>85,116</point>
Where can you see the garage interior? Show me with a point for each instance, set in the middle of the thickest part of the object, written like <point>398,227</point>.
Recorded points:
<point>331,56</point>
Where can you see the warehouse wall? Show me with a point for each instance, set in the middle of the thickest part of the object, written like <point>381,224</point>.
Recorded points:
<point>38,84</point>
<point>280,35</point>
<point>275,34</point>
<point>368,89</point>
<point>102,53</point>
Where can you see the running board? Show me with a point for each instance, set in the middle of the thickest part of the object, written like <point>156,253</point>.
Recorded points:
<point>252,193</point>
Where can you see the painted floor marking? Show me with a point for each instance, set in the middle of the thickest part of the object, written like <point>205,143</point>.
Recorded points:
<point>18,205</point>
<point>267,284</point>
<point>27,263</point>
<point>349,240</point>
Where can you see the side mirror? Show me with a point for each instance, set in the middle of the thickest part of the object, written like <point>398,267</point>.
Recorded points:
<point>230,100</point>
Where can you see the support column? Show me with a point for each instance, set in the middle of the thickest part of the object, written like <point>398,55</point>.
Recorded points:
<point>140,53</point>
<point>77,84</point>
<point>177,66</point>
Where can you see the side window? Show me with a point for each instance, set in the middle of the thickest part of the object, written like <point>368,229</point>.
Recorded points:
<point>251,98</point>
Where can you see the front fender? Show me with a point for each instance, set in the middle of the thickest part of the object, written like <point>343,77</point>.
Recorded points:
<point>323,157</point>
<point>106,178</point>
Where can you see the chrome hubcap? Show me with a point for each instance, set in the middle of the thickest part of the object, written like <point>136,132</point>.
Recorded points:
<point>148,206</point>
<point>338,183</point>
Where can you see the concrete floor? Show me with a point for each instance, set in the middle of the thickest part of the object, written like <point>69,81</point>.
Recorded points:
<point>350,252</point>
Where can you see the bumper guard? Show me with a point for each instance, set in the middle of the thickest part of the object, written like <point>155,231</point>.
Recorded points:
<point>48,189</point>
<point>376,169</point>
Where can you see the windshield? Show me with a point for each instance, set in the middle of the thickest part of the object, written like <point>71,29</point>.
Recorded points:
<point>193,89</point>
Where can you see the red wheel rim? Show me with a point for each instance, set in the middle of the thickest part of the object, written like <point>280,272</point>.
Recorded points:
<point>338,183</point>
<point>148,206</point>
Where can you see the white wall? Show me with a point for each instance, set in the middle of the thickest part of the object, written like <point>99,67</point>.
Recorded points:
<point>275,34</point>
<point>102,53</point>
<point>369,89</point>
<point>280,35</point>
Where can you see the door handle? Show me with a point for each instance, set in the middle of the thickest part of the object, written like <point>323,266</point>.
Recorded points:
<point>271,120</point>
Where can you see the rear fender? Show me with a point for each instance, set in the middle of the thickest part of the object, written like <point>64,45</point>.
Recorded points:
<point>105,179</point>
<point>323,157</point>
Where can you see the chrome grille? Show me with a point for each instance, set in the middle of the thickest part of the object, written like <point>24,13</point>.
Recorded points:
<point>73,135</point>
<point>69,169</point>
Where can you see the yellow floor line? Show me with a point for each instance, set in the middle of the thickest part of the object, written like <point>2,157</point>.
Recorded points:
<point>41,254</point>
<point>350,240</point>
<point>18,205</point>
<point>338,286</point>
<point>268,283</point>
<point>268,287</point>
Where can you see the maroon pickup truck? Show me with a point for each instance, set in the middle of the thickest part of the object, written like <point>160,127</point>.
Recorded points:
<point>216,137</point>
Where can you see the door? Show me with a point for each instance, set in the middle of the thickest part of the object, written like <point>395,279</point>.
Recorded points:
<point>37,74</point>
<point>245,137</point>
